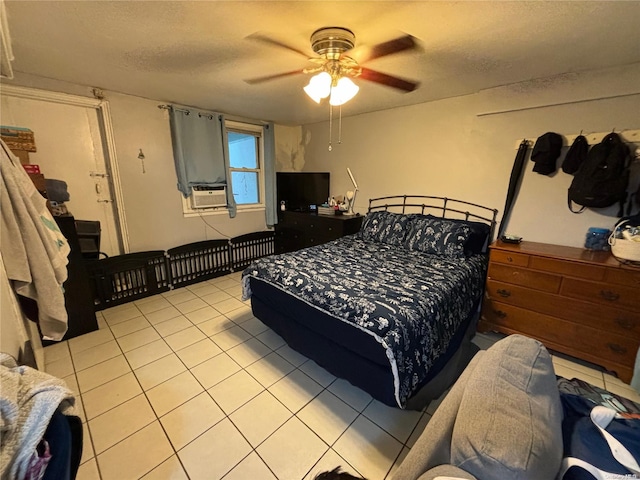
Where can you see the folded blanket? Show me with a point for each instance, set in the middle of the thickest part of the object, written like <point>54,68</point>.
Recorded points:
<point>28,401</point>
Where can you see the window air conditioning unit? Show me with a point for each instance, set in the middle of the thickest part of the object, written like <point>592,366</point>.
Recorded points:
<point>208,197</point>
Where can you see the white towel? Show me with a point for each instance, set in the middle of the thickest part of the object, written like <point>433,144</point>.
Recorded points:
<point>34,250</point>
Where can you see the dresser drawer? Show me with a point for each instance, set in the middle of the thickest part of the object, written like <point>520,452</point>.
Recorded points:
<point>603,293</point>
<point>624,277</point>
<point>509,258</point>
<point>296,230</point>
<point>546,282</point>
<point>323,234</point>
<point>572,269</point>
<point>574,337</point>
<point>602,317</point>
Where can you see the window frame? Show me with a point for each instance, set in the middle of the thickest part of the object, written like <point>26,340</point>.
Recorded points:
<point>245,128</point>
<point>256,131</point>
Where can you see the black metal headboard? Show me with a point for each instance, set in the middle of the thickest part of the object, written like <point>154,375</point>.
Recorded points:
<point>440,206</point>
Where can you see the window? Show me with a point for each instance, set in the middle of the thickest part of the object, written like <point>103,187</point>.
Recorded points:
<point>245,164</point>
<point>246,170</point>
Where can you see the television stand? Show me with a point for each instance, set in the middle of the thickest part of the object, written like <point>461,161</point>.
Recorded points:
<point>296,230</point>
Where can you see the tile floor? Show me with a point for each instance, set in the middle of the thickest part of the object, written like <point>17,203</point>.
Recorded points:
<point>188,384</point>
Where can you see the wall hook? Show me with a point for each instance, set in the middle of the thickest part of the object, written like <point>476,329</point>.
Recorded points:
<point>141,157</point>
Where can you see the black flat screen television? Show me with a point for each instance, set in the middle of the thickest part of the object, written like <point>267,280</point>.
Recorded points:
<point>300,190</point>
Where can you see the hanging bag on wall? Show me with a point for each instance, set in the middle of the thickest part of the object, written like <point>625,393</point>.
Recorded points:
<point>576,155</point>
<point>603,178</point>
<point>634,198</point>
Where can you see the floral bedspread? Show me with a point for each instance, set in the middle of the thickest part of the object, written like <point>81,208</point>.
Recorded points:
<point>412,303</point>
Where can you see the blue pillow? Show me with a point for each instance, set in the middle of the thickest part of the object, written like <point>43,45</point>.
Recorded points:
<point>439,236</point>
<point>385,227</point>
<point>478,239</point>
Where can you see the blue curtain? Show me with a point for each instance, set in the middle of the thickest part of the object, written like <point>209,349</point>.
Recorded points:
<point>271,212</point>
<point>231,202</point>
<point>200,151</point>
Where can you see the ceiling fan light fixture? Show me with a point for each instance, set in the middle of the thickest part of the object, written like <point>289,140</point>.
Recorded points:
<point>344,91</point>
<point>333,68</point>
<point>331,42</point>
<point>319,86</point>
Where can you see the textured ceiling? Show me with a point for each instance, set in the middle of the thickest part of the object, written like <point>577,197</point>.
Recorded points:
<point>198,53</point>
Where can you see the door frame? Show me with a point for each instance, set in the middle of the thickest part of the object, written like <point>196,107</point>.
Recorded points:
<point>111,160</point>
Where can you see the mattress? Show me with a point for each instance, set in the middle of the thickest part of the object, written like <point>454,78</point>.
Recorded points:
<point>396,308</point>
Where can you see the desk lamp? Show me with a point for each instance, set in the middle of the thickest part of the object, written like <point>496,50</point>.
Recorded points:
<point>351,194</point>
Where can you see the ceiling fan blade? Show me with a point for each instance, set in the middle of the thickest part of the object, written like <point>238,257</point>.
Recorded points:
<point>266,78</point>
<point>388,80</point>
<point>400,44</point>
<point>276,43</point>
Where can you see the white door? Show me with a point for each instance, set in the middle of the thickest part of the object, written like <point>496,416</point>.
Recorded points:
<point>70,148</point>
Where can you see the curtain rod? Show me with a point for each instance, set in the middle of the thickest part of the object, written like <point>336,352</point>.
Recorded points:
<point>572,102</point>
<point>208,115</point>
<point>169,107</point>
<point>228,117</point>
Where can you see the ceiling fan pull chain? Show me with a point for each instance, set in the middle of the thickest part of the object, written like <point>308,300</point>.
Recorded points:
<point>340,127</point>
<point>330,126</point>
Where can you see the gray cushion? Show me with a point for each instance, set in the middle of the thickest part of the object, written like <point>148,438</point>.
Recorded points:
<point>446,471</point>
<point>509,421</point>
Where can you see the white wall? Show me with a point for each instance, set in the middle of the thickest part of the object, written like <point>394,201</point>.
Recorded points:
<point>151,200</point>
<point>439,148</point>
<point>451,148</point>
<point>290,148</point>
<point>74,159</point>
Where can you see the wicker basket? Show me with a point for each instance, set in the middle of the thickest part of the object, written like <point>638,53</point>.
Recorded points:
<point>623,249</point>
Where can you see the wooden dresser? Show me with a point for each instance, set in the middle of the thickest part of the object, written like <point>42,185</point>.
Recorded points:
<point>575,301</point>
<point>296,230</point>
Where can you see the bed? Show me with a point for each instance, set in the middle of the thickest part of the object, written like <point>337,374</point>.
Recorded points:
<point>392,308</point>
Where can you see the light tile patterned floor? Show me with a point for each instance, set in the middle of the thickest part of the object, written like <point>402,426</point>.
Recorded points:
<point>188,384</point>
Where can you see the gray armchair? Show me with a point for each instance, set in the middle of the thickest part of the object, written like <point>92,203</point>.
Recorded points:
<point>501,420</point>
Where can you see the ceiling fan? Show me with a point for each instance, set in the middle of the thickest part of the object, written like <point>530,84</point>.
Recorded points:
<point>334,67</point>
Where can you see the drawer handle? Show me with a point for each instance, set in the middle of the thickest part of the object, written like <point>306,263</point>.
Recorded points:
<point>503,293</point>
<point>500,313</point>
<point>617,348</point>
<point>626,324</point>
<point>609,295</point>
<point>509,259</point>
